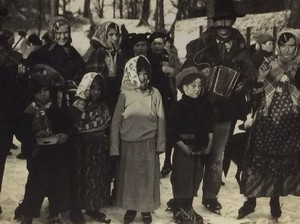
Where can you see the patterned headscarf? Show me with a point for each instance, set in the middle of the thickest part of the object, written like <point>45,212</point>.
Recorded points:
<point>280,69</point>
<point>131,79</point>
<point>100,34</point>
<point>55,24</point>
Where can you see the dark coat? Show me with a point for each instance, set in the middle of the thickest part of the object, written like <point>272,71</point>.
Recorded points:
<point>204,51</point>
<point>65,59</point>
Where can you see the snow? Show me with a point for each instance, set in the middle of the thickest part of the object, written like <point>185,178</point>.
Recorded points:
<point>16,173</point>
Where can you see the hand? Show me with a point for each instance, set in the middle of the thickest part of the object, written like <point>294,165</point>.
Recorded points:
<point>185,148</point>
<point>62,138</point>
<point>239,87</point>
<point>206,72</point>
<point>263,71</point>
<point>42,134</point>
<point>168,70</point>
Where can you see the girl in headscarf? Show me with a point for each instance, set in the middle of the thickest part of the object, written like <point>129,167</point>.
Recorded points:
<point>272,164</point>
<point>102,57</point>
<point>138,137</point>
<point>91,161</point>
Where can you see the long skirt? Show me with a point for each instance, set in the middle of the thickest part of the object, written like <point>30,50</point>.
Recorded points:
<point>272,164</point>
<point>92,171</point>
<point>138,176</point>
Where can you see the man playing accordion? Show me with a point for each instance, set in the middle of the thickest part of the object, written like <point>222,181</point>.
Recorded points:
<point>221,54</point>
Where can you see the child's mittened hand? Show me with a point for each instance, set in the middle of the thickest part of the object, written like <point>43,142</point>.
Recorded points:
<point>41,134</point>
<point>187,150</point>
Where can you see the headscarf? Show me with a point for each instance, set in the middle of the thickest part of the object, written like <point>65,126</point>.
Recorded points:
<point>287,68</point>
<point>131,79</point>
<point>95,116</point>
<point>55,24</point>
<point>100,34</point>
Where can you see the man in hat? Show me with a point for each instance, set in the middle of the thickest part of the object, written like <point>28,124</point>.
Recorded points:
<point>221,45</point>
<point>265,51</point>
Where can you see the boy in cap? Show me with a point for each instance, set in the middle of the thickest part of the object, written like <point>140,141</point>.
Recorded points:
<point>221,45</point>
<point>189,131</point>
<point>265,51</point>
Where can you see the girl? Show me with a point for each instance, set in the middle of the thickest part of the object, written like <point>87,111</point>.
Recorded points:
<point>138,137</point>
<point>91,162</point>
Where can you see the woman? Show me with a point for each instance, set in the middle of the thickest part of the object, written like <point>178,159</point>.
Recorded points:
<point>138,137</point>
<point>272,164</point>
<point>103,57</point>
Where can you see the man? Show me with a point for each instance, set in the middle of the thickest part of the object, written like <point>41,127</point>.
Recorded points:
<point>221,45</point>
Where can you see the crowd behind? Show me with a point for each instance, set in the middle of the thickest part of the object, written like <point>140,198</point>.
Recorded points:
<point>92,127</point>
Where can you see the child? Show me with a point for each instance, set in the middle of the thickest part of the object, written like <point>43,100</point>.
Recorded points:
<point>46,130</point>
<point>189,131</point>
<point>138,137</point>
<point>91,163</point>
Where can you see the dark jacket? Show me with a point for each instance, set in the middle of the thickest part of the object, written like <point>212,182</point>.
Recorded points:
<point>190,116</point>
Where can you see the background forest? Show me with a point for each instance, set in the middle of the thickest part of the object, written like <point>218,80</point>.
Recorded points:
<point>161,14</point>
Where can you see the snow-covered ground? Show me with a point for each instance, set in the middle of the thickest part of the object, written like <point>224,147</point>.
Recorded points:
<point>16,173</point>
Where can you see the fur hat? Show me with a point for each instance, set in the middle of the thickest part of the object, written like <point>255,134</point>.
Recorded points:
<point>225,9</point>
<point>264,38</point>
<point>156,35</point>
<point>185,73</point>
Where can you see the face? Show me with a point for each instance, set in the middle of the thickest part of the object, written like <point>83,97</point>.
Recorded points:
<point>143,77</point>
<point>62,35</point>
<point>95,91</point>
<point>157,46</point>
<point>112,38</point>
<point>267,46</point>
<point>288,49</point>
<point>140,48</point>
<point>223,27</point>
<point>42,97</point>
<point>193,89</point>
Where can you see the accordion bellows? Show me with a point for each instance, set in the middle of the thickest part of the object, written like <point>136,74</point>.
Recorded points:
<point>222,81</point>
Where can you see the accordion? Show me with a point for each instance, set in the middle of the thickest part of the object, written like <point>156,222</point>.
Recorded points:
<point>222,81</point>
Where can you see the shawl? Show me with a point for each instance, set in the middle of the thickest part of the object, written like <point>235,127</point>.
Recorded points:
<point>95,116</point>
<point>273,81</point>
<point>40,120</point>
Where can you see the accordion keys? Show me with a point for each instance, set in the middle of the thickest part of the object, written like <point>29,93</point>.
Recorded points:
<point>222,81</point>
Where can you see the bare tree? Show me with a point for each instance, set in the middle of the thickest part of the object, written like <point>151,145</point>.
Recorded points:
<point>145,13</point>
<point>159,21</point>
<point>99,5</point>
<point>294,19</point>
<point>54,5</point>
<point>121,9</point>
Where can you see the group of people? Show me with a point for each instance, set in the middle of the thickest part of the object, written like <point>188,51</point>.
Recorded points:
<point>100,121</point>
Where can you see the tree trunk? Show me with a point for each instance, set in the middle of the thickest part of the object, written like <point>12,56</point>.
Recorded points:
<point>172,28</point>
<point>160,22</point>
<point>86,8</point>
<point>114,9</point>
<point>121,9</point>
<point>54,4</point>
<point>294,19</point>
<point>210,7</point>
<point>145,13</point>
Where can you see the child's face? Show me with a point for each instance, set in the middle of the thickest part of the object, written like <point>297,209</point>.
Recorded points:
<point>42,97</point>
<point>157,45</point>
<point>95,91</point>
<point>143,77</point>
<point>140,48</point>
<point>193,89</point>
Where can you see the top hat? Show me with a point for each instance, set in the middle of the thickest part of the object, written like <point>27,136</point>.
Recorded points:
<point>225,9</point>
